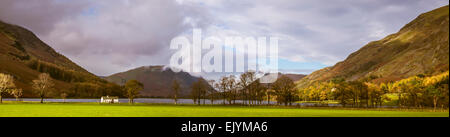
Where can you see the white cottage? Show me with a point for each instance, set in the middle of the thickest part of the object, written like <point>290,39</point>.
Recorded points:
<point>108,99</point>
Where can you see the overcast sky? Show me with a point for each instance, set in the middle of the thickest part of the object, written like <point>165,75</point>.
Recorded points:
<point>107,37</point>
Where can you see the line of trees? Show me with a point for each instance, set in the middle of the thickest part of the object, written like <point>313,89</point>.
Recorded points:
<point>82,85</point>
<point>61,73</point>
<point>413,92</point>
<point>44,85</point>
<point>246,88</point>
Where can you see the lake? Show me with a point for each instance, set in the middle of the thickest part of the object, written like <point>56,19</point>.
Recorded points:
<point>125,100</point>
<point>155,100</point>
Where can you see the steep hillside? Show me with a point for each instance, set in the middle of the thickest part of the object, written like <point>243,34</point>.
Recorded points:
<point>295,77</point>
<point>420,47</point>
<point>157,80</point>
<point>26,43</point>
<point>25,56</point>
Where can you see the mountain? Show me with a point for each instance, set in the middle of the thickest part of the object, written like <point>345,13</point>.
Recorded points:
<point>24,56</point>
<point>157,80</point>
<point>295,77</point>
<point>420,47</point>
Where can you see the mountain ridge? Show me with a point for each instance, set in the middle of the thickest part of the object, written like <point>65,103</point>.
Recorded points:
<point>420,47</point>
<point>157,80</point>
<point>24,56</point>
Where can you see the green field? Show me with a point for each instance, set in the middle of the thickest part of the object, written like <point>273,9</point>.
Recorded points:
<point>166,110</point>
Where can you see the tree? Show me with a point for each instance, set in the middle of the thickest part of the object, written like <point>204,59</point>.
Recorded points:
<point>376,93</point>
<point>340,90</point>
<point>231,86</point>
<point>176,89</point>
<point>6,84</point>
<point>269,93</point>
<point>323,96</point>
<point>132,88</point>
<point>64,96</point>
<point>437,88</point>
<point>212,91</point>
<point>285,89</point>
<point>245,80</point>
<point>198,88</point>
<point>43,85</point>
<point>17,93</point>
<point>195,92</point>
<point>359,93</point>
<point>257,92</point>
<point>260,91</point>
<point>223,87</point>
<point>204,90</point>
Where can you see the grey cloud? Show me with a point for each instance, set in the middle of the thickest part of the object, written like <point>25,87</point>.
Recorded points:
<point>119,34</point>
<point>39,15</point>
<point>324,31</point>
<point>111,36</point>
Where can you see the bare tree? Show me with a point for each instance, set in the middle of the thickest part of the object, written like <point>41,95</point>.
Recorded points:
<point>17,93</point>
<point>245,80</point>
<point>198,89</point>
<point>260,91</point>
<point>176,89</point>
<point>204,90</point>
<point>43,85</point>
<point>6,84</point>
<point>64,96</point>
<point>231,86</point>
<point>223,86</point>
<point>212,91</point>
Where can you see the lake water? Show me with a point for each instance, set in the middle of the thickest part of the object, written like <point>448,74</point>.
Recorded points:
<point>155,100</point>
<point>170,101</point>
<point>125,100</point>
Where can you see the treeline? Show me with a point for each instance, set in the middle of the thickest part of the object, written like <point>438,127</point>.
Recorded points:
<point>90,90</point>
<point>246,88</point>
<point>413,92</point>
<point>82,85</point>
<point>61,73</point>
<point>43,87</point>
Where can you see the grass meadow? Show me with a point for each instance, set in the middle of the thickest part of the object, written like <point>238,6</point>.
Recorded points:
<point>11,109</point>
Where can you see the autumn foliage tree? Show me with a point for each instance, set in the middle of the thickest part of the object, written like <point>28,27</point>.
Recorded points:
<point>413,92</point>
<point>437,88</point>
<point>132,88</point>
<point>285,90</point>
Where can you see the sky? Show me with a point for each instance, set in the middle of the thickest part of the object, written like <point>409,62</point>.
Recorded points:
<point>107,37</point>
